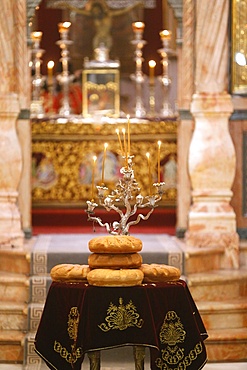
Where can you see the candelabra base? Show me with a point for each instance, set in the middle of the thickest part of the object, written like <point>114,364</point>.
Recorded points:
<point>37,109</point>
<point>166,112</point>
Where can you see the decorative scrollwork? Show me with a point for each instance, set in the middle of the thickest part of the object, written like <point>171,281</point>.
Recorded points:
<point>121,317</point>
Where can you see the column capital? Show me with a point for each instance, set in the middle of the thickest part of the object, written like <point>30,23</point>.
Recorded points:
<point>206,102</point>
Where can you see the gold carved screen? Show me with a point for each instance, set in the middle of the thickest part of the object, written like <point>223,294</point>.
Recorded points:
<point>239,47</point>
<point>62,160</point>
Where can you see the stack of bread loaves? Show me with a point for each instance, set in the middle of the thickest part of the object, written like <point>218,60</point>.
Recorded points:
<point>115,261</point>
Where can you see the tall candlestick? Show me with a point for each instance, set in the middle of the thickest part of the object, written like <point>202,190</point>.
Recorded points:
<point>128,118</point>
<point>149,173</point>
<point>93,175</point>
<point>120,142</point>
<point>103,163</point>
<point>159,145</point>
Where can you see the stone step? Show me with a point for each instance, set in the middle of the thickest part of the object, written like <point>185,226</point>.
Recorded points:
<point>226,314</point>
<point>227,345</point>
<point>243,253</point>
<point>11,346</point>
<point>218,285</point>
<point>14,287</point>
<point>17,260</point>
<point>13,316</point>
<point>200,259</point>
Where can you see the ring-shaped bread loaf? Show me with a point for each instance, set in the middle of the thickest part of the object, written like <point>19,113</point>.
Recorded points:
<point>115,244</point>
<point>154,273</point>
<point>117,278</point>
<point>114,260</point>
<point>69,272</point>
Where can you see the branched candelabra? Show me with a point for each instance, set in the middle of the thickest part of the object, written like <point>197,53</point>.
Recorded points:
<point>127,193</point>
<point>165,51</point>
<point>38,80</point>
<point>64,78</point>
<point>138,77</point>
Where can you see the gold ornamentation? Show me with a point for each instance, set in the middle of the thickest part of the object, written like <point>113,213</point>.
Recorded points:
<point>46,130</point>
<point>239,41</point>
<point>121,317</point>
<point>172,332</point>
<point>73,322</point>
<point>68,149</point>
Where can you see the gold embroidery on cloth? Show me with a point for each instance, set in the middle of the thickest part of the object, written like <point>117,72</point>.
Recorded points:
<point>171,333</point>
<point>73,322</point>
<point>121,317</point>
<point>172,330</point>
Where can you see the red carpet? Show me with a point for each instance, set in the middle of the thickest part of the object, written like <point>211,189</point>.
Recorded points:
<point>64,220</point>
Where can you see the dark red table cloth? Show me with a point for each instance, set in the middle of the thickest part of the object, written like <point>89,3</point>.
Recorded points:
<point>78,318</point>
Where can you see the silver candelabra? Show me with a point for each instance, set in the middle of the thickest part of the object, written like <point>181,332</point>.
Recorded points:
<point>165,51</point>
<point>127,193</point>
<point>138,77</point>
<point>64,78</point>
<point>38,80</point>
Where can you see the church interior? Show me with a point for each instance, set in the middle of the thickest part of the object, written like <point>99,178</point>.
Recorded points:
<point>123,121</point>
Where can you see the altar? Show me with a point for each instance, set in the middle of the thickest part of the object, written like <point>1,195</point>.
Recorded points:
<point>79,319</point>
<point>62,153</point>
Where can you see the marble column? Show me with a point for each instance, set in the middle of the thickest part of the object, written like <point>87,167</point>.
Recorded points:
<point>11,234</point>
<point>212,161</point>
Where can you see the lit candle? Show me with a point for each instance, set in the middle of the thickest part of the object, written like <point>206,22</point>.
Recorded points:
<point>159,145</point>
<point>63,27</point>
<point>165,36</point>
<point>152,65</point>
<point>36,37</point>
<point>120,142</point>
<point>125,146</point>
<point>103,163</point>
<point>149,173</point>
<point>138,28</point>
<point>50,66</point>
<point>93,175</point>
<point>128,117</point>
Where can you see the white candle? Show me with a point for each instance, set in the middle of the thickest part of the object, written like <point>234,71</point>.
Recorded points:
<point>120,142</point>
<point>125,146</point>
<point>50,66</point>
<point>149,173</point>
<point>152,65</point>
<point>103,163</point>
<point>128,118</point>
<point>159,145</point>
<point>93,175</point>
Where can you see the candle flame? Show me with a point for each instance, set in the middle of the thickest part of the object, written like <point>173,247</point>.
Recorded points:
<point>165,34</point>
<point>50,64</point>
<point>138,26</point>
<point>152,63</point>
